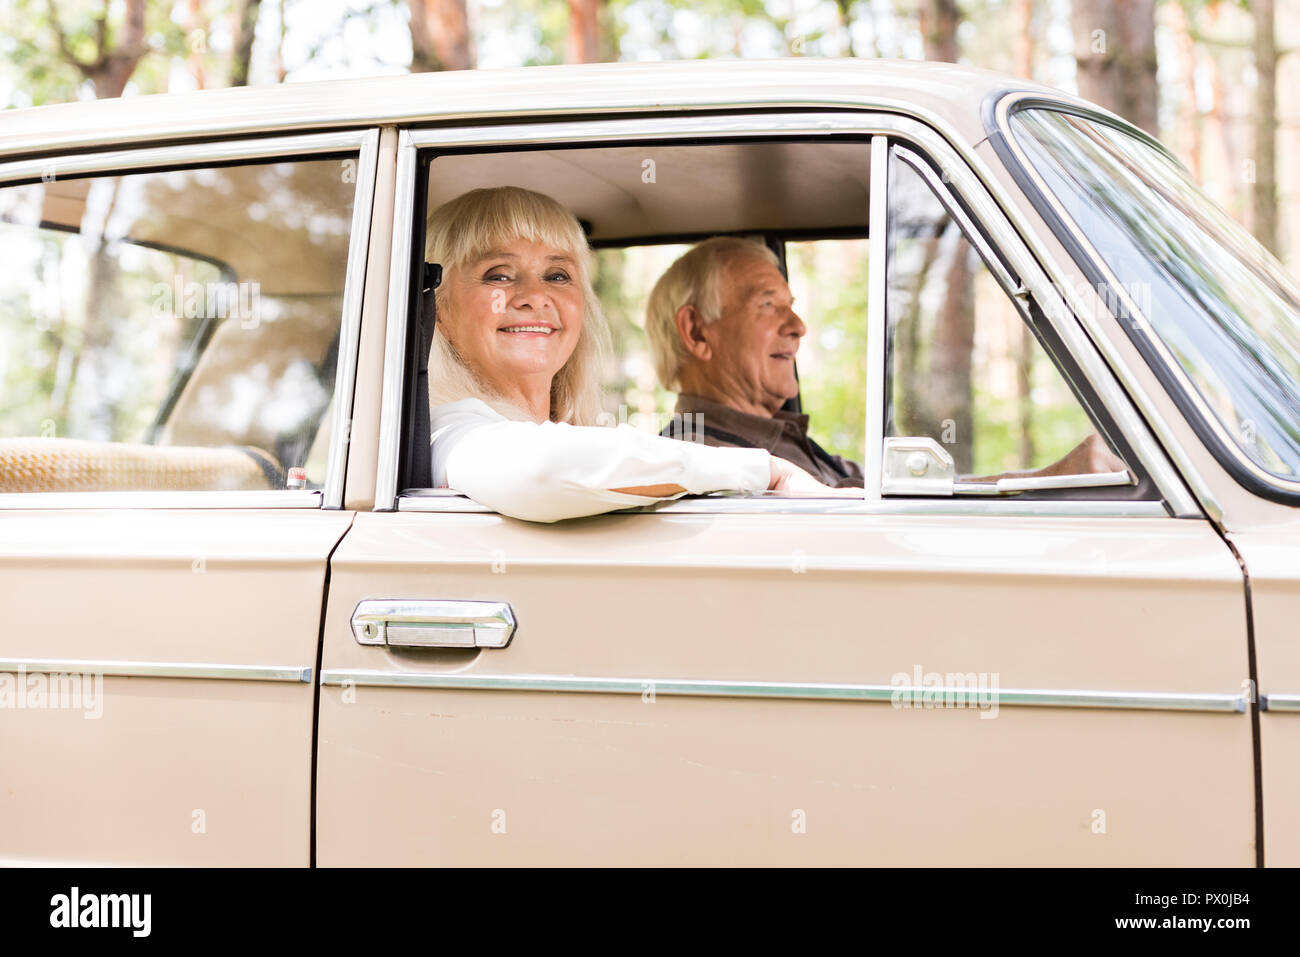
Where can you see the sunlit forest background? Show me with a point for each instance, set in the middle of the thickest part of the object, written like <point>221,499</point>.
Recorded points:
<point>1217,81</point>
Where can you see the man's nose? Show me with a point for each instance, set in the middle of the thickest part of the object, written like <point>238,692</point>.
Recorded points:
<point>793,325</point>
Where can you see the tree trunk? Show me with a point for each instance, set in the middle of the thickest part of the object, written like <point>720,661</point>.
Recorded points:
<point>280,71</point>
<point>1264,200</point>
<point>246,29</point>
<point>196,29</point>
<point>582,43</point>
<point>440,37</point>
<point>954,345</point>
<point>939,19</point>
<point>1025,39</point>
<point>1188,123</point>
<point>954,334</point>
<point>845,24</point>
<point>1115,51</point>
<point>112,67</point>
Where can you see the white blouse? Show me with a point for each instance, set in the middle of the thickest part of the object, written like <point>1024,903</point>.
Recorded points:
<point>546,471</point>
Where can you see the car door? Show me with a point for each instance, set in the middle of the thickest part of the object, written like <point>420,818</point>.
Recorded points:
<point>899,680</point>
<point>1270,553</point>
<point>179,338</point>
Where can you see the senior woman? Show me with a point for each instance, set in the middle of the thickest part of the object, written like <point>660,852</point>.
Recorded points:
<point>513,376</point>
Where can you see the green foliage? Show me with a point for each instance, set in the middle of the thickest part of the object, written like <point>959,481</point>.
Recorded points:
<point>40,72</point>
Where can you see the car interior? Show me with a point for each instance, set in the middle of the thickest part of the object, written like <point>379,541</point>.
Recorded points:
<point>232,280</point>
<point>240,400</point>
<point>642,205</point>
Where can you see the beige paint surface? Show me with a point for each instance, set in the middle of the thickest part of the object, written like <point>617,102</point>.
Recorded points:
<point>1272,556</point>
<point>415,776</point>
<point>204,586</point>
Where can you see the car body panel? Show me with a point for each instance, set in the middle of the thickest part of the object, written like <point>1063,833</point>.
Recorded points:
<point>119,591</point>
<point>1272,556</point>
<point>414,774</point>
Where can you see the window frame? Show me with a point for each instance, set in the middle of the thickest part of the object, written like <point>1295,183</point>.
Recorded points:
<point>228,152</point>
<point>1023,302</point>
<point>884,129</point>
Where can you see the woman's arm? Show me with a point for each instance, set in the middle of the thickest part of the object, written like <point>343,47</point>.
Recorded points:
<point>544,472</point>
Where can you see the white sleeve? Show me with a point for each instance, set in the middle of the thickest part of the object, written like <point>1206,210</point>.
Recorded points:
<point>544,472</point>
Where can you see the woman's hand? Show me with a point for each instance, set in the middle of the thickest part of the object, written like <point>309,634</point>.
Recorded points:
<point>788,477</point>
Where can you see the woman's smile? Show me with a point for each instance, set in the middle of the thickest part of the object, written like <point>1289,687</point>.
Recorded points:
<point>514,314</point>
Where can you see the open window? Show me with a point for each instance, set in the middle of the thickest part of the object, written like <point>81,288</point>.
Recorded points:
<point>978,394</point>
<point>643,205</point>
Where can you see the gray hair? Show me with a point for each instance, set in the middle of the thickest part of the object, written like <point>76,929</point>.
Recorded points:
<point>693,280</point>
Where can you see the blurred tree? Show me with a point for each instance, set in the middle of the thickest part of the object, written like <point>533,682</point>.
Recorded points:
<point>440,36</point>
<point>1264,197</point>
<point>1115,53</point>
<point>241,56</point>
<point>949,369</point>
<point>112,60</point>
<point>587,42</point>
<point>939,19</point>
<point>196,27</point>
<point>70,49</point>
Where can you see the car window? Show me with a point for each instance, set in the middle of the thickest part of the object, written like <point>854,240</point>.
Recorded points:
<point>1225,309</point>
<point>171,330</point>
<point>623,280</point>
<point>828,278</point>
<point>643,206</point>
<point>963,367</point>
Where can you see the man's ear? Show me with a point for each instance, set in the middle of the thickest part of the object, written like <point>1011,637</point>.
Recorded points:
<point>690,329</point>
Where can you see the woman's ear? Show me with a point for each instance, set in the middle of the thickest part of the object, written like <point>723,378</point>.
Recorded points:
<point>690,329</point>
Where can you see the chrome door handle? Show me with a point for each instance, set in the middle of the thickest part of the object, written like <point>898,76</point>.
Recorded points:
<point>433,624</point>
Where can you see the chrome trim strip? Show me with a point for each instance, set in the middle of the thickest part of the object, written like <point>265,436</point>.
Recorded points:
<point>189,154</point>
<point>399,284</point>
<point>915,696</point>
<point>774,505</point>
<point>345,378</point>
<point>1159,425</point>
<point>971,180</point>
<point>1280,702</point>
<point>270,498</point>
<point>155,669</point>
<point>877,294</point>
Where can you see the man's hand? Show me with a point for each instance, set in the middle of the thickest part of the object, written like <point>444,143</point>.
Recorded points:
<point>1089,456</point>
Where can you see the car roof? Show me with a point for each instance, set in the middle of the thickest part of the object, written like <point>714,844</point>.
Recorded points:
<point>948,96</point>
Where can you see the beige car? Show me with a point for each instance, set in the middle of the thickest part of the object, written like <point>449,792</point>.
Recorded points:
<point>241,629</point>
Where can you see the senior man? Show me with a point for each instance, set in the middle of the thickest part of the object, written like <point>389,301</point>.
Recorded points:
<point>724,334</point>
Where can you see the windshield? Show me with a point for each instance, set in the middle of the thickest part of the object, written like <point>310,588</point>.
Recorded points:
<point>1218,301</point>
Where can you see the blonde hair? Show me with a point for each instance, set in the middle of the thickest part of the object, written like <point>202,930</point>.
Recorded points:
<point>693,280</point>
<point>471,225</point>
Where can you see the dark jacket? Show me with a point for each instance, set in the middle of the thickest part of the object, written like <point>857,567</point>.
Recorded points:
<point>784,434</point>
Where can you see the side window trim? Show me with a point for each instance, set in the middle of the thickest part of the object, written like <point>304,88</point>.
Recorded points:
<point>967,186</point>
<point>365,142</point>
